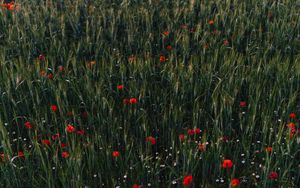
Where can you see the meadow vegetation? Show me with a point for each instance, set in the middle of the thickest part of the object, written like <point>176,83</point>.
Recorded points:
<point>127,93</point>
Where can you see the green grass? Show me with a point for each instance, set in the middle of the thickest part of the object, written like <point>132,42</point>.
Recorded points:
<point>200,85</point>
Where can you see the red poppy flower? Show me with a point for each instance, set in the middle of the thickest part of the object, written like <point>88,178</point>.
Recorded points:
<point>80,132</point>
<point>151,139</point>
<point>191,131</point>
<point>11,6</point>
<point>269,149</point>
<point>8,6</point>
<point>211,22</point>
<point>166,33</point>
<point>225,138</point>
<point>115,153</point>
<point>61,68</point>
<point>131,58</point>
<point>181,137</point>
<point>21,155</point>
<point>50,76</point>
<point>125,101</point>
<point>162,58</point>
<point>43,73</point>
<point>292,115</point>
<point>90,64</point>
<point>169,47</point>
<point>187,180</point>
<point>197,130</point>
<point>84,115</point>
<point>46,142</point>
<point>227,163</point>
<point>202,147</point>
<point>65,154</point>
<point>291,125</point>
<point>215,32</point>
<point>136,186</point>
<point>70,128</point>
<point>63,145</point>
<point>120,87</point>
<point>4,157</point>
<point>54,108</point>
<point>42,57</point>
<point>226,42</point>
<point>273,175</point>
<point>70,114</point>
<point>243,104</point>
<point>194,131</point>
<point>133,101</point>
<point>55,136</point>
<point>235,182</point>
<point>206,46</point>
<point>28,125</point>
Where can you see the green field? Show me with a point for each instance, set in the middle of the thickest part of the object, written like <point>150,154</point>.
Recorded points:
<point>152,93</point>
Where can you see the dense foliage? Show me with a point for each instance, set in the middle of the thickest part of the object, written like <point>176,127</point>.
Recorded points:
<point>127,93</point>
